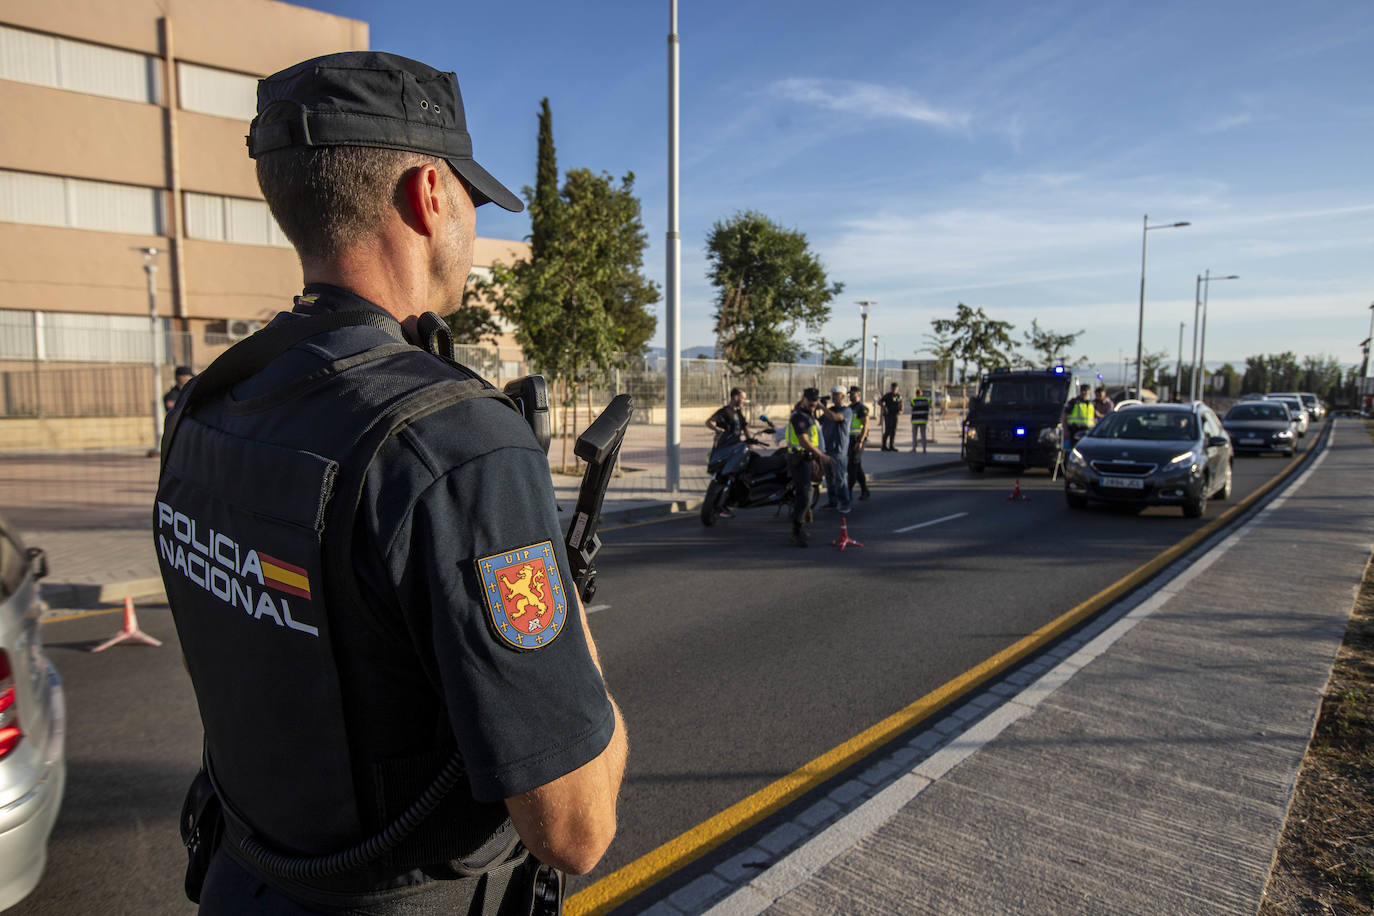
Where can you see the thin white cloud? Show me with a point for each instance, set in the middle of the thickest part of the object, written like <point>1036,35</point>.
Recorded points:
<point>1230,122</point>
<point>868,100</point>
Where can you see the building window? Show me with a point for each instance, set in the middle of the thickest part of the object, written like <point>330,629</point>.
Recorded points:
<point>75,203</point>
<point>217,92</point>
<point>231,219</point>
<point>79,66</point>
<point>72,337</point>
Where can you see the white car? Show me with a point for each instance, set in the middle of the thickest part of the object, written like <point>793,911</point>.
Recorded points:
<point>1295,407</point>
<point>33,723</point>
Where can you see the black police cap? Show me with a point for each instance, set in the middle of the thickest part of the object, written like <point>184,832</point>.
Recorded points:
<point>374,99</point>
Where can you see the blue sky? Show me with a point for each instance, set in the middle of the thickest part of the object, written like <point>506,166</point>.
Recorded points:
<point>1000,154</point>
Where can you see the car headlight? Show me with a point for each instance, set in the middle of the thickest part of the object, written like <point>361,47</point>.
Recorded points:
<point>1077,460</point>
<point>1178,459</point>
<point>971,433</point>
<point>1049,434</point>
<point>1284,434</point>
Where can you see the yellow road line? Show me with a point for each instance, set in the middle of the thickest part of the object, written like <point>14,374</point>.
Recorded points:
<point>81,614</point>
<point>629,880</point>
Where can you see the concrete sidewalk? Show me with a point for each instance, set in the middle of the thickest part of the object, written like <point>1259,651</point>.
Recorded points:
<point>1145,767</point>
<point>92,514</point>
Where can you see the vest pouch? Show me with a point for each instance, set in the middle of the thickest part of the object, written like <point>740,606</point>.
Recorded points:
<point>245,578</point>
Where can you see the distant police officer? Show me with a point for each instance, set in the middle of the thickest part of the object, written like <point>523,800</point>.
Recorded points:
<point>858,437</point>
<point>173,395</point>
<point>358,542</point>
<point>920,418</point>
<point>891,405</point>
<point>1079,416</point>
<point>803,436</point>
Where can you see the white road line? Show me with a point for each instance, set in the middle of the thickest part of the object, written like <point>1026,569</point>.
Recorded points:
<point>597,607</point>
<point>935,521</point>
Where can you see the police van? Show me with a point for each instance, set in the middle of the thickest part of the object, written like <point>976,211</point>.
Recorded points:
<point>1013,421</point>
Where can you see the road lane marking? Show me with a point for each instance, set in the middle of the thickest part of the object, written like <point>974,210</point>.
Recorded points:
<point>597,607</point>
<point>929,523</point>
<point>605,894</point>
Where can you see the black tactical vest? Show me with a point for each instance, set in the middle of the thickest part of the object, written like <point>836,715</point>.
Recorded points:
<point>254,524</point>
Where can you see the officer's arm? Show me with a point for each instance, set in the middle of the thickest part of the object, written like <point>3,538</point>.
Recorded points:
<point>569,823</point>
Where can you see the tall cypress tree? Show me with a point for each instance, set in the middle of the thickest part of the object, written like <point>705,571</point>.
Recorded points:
<point>544,206</point>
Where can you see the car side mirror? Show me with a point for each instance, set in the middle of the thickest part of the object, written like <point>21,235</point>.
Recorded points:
<point>1217,441</point>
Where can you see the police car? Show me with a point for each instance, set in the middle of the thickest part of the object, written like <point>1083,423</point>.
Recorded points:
<point>1013,421</point>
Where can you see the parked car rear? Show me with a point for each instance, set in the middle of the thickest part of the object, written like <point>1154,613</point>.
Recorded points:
<point>33,724</point>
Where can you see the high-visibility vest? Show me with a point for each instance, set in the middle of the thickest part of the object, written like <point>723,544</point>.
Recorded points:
<point>1081,413</point>
<point>856,425</point>
<point>920,410</point>
<point>813,435</point>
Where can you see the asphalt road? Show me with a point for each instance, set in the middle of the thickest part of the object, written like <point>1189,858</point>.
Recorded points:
<point>735,657</point>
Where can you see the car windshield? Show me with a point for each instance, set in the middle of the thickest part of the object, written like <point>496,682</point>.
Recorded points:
<point>1143,423</point>
<point>1294,407</point>
<point>1257,412</point>
<point>1022,392</point>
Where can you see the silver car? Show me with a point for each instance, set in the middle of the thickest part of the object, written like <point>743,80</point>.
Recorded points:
<point>33,723</point>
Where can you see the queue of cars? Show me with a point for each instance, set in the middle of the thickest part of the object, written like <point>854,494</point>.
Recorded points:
<point>1179,454</point>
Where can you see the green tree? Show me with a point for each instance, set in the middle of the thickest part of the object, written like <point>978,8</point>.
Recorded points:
<point>1150,362</point>
<point>941,346</point>
<point>1051,348</point>
<point>583,301</point>
<point>543,205</point>
<point>768,285</point>
<point>976,338</point>
<point>1321,375</point>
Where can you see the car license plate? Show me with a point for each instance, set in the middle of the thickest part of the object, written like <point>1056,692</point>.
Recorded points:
<point>1003,456</point>
<point>1127,483</point>
<point>1250,441</point>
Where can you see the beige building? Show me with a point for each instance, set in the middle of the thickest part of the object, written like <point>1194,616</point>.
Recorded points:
<point>124,131</point>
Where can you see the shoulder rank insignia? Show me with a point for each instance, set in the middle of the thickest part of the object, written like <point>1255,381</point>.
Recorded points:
<point>524,595</point>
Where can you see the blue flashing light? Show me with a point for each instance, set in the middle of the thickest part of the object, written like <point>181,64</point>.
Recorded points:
<point>1058,370</point>
<point>1099,376</point>
<point>1020,430</point>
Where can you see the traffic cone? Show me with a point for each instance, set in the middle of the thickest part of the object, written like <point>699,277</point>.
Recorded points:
<point>844,540</point>
<point>1016,493</point>
<point>129,632</point>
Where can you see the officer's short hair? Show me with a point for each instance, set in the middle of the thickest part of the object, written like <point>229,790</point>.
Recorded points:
<point>735,391</point>
<point>328,198</point>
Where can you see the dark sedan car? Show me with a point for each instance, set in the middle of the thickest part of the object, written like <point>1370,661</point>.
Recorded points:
<point>1260,426</point>
<point>1152,455</point>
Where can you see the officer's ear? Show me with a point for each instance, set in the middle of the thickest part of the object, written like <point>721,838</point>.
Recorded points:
<point>423,200</point>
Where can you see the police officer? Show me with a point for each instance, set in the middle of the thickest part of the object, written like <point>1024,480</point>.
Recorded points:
<point>803,437</point>
<point>183,378</point>
<point>858,437</point>
<point>920,418</point>
<point>355,608</point>
<point>1079,416</point>
<point>891,405</point>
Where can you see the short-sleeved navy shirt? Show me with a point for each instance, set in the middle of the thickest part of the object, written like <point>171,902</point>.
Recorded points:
<point>458,485</point>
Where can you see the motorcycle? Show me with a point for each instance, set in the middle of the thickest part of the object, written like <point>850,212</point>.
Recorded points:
<point>742,478</point>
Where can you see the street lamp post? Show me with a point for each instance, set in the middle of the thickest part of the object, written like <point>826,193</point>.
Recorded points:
<point>1200,369</point>
<point>1178,372</point>
<point>877,373</point>
<point>864,305</point>
<point>673,293</point>
<point>1140,317</point>
<point>150,268</point>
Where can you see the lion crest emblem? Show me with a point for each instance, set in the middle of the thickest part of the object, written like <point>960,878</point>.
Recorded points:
<point>524,595</point>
